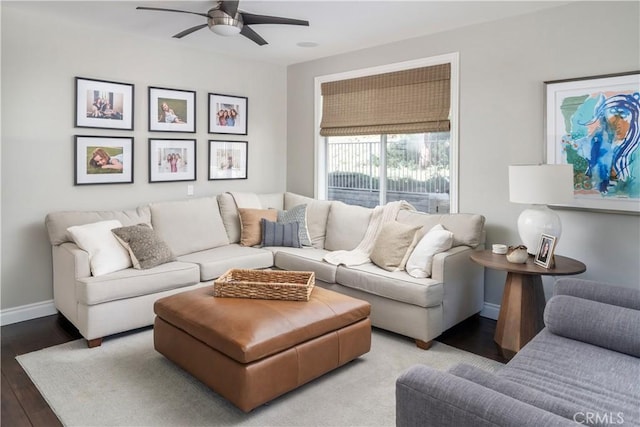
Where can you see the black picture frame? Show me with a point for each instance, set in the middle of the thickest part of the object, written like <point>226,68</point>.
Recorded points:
<point>237,109</point>
<point>103,160</point>
<point>172,160</point>
<point>228,160</point>
<point>172,110</point>
<point>103,104</point>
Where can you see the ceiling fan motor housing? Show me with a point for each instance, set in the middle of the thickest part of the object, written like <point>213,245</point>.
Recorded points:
<point>221,23</point>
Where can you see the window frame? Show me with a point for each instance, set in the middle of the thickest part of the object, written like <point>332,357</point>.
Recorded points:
<point>320,145</point>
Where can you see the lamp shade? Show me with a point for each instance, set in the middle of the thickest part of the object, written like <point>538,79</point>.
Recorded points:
<point>541,184</point>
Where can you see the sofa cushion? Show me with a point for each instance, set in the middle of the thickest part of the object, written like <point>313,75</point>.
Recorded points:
<point>106,254</point>
<point>317,214</point>
<point>279,234</point>
<point>393,245</point>
<point>421,259</point>
<point>131,283</point>
<point>594,322</point>
<point>305,259</point>
<point>57,223</point>
<point>250,224</point>
<point>189,225</point>
<point>517,391</point>
<point>346,226</point>
<point>229,211</point>
<point>599,380</point>
<point>215,262</point>
<point>297,214</point>
<point>395,285</point>
<point>145,248</point>
<point>466,228</point>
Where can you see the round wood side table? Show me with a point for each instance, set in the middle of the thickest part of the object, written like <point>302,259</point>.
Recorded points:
<point>522,308</point>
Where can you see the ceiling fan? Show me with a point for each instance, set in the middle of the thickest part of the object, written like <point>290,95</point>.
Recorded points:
<point>226,19</point>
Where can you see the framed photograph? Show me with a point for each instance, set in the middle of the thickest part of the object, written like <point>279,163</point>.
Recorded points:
<point>103,160</point>
<point>172,160</point>
<point>544,254</point>
<point>592,124</point>
<point>172,110</point>
<point>227,160</point>
<point>228,114</point>
<point>103,104</point>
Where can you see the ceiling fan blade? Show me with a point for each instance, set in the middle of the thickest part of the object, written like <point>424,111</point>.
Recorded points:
<point>250,34</point>
<point>171,10</point>
<point>250,19</point>
<point>229,7</point>
<point>188,31</point>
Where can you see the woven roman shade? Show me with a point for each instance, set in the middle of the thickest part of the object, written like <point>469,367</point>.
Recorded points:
<point>408,101</point>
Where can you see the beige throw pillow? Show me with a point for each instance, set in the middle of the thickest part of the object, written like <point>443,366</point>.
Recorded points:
<point>250,230</point>
<point>393,244</point>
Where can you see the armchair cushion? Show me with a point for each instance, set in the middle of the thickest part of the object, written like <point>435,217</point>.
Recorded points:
<point>597,323</point>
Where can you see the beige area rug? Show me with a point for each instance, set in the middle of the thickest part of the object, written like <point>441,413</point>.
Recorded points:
<point>125,382</point>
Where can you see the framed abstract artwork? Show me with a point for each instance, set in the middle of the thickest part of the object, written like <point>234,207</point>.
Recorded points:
<point>103,104</point>
<point>592,123</point>
<point>172,160</point>
<point>227,160</point>
<point>172,110</point>
<point>103,160</point>
<point>228,114</point>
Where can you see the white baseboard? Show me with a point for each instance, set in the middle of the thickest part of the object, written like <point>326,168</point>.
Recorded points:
<point>27,312</point>
<point>490,311</point>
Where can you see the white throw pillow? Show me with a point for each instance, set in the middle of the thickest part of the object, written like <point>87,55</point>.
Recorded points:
<point>435,241</point>
<point>106,254</point>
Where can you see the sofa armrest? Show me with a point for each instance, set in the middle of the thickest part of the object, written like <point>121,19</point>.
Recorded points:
<point>69,263</point>
<point>598,291</point>
<point>427,397</point>
<point>462,282</point>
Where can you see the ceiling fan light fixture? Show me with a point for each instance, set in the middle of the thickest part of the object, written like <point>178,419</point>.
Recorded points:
<point>223,24</point>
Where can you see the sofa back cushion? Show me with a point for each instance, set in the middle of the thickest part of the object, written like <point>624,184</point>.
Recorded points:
<point>58,222</point>
<point>189,225</point>
<point>467,229</point>
<point>317,214</point>
<point>229,211</point>
<point>346,226</point>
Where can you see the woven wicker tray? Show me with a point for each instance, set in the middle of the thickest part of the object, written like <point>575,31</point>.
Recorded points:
<point>265,284</point>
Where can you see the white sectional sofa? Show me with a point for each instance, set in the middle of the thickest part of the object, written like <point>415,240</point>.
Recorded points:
<point>204,235</point>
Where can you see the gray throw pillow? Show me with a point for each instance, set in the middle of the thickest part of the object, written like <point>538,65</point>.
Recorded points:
<point>297,214</point>
<point>278,234</point>
<point>146,249</point>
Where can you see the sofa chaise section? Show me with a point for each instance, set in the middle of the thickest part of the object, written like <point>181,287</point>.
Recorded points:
<point>582,368</point>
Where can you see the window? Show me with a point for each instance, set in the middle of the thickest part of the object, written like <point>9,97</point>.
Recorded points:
<point>369,156</point>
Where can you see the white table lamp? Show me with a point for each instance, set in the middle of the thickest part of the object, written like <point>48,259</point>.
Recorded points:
<point>540,185</point>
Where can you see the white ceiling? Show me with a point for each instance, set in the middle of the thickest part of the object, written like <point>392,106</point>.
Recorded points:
<point>336,26</point>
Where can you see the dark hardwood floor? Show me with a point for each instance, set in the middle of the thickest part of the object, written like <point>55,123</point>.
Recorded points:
<point>22,404</point>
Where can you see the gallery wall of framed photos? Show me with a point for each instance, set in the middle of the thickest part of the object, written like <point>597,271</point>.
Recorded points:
<point>105,104</point>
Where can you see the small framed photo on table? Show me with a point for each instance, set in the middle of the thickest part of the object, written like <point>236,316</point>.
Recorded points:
<point>103,160</point>
<point>228,114</point>
<point>172,160</point>
<point>544,255</point>
<point>227,160</point>
<point>172,110</point>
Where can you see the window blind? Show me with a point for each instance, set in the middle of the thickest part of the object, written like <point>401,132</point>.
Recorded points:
<point>408,101</point>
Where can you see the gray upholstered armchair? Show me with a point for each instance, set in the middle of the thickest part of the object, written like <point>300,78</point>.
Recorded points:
<point>582,368</point>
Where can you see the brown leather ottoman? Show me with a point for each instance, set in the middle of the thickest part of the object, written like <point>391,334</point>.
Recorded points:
<point>250,350</point>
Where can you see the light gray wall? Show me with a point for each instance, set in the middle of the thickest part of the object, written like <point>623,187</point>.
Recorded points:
<point>40,58</point>
<point>502,69</point>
